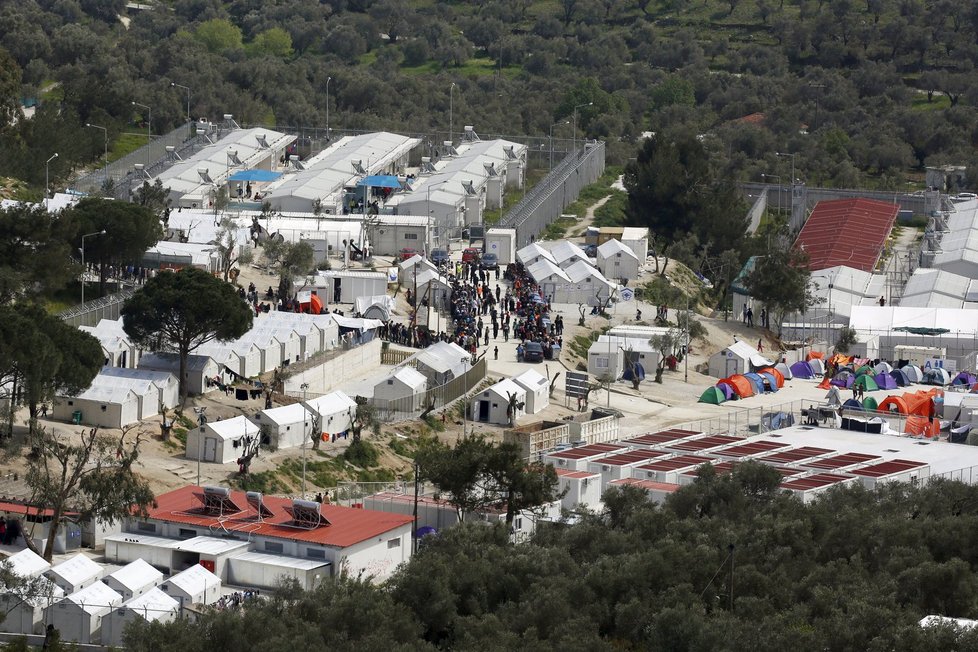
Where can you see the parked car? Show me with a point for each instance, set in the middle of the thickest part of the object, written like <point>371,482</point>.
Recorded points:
<point>591,250</point>
<point>489,261</point>
<point>533,352</point>
<point>440,256</point>
<point>406,253</point>
<point>470,255</point>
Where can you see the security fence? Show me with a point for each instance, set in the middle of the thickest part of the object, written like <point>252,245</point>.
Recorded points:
<point>547,200</point>
<point>91,312</point>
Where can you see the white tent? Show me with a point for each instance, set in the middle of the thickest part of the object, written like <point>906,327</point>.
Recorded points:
<point>177,255</point>
<point>196,585</point>
<point>441,362</point>
<point>316,332</point>
<point>152,606</point>
<point>363,303</point>
<point>406,387</point>
<point>491,405</point>
<point>75,573</point>
<point>615,260</point>
<point>218,442</point>
<point>434,288</point>
<point>336,412</point>
<point>26,563</point>
<point>586,284</point>
<point>270,349</point>
<point>199,369</point>
<point>153,387</point>
<point>537,390</point>
<point>414,265</point>
<point>287,426</point>
<point>78,617</point>
<point>565,253</point>
<point>738,358</point>
<point>547,273</point>
<point>133,579</point>
<point>25,611</point>
<point>119,351</point>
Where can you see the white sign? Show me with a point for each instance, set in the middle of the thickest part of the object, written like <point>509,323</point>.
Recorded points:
<point>392,275</point>
<point>950,366</point>
<point>627,294</point>
<point>305,296</point>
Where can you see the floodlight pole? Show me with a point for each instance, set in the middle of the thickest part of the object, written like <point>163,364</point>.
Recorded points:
<point>575,122</point>
<point>87,235</point>
<point>149,121</point>
<point>552,141</point>
<point>417,488</point>
<point>105,139</point>
<point>451,112</point>
<point>47,175</point>
<point>186,88</point>
<point>304,387</point>
<point>686,356</point>
<point>328,80</point>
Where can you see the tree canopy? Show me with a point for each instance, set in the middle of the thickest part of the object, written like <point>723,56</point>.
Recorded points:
<point>35,251</point>
<point>781,281</point>
<point>179,311</point>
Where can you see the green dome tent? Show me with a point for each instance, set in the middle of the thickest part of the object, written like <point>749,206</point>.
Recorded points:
<point>865,369</point>
<point>870,403</point>
<point>713,395</point>
<point>866,382</point>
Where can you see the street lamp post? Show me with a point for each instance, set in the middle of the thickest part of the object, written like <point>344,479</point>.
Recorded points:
<point>149,121</point>
<point>783,155</point>
<point>47,175</point>
<point>328,80</point>
<point>575,122</point>
<point>304,387</point>
<point>780,187</point>
<point>563,122</point>
<point>427,205</point>
<point>201,420</point>
<point>87,235</point>
<point>186,88</point>
<point>451,112</point>
<point>105,138</point>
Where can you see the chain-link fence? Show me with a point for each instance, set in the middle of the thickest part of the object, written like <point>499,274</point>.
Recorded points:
<point>350,494</point>
<point>547,200</point>
<point>91,312</point>
<point>408,407</point>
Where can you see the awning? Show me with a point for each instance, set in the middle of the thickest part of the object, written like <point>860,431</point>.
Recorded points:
<point>260,176</point>
<point>380,181</point>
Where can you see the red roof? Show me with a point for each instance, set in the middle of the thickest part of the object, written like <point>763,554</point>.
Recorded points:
<point>815,481</point>
<point>883,469</point>
<point>648,485</point>
<point>661,437</point>
<point>752,448</point>
<point>795,454</point>
<point>575,475</point>
<point>694,445</point>
<point>347,526</point>
<point>749,119</point>
<point>850,232</point>
<point>720,467</point>
<point>22,509</point>
<point>591,450</point>
<point>631,457</point>
<point>674,463</point>
<point>840,461</point>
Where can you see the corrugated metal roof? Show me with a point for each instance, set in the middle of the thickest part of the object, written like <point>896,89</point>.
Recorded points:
<point>676,463</point>
<point>575,475</point>
<point>815,481</point>
<point>795,455</point>
<point>591,450</point>
<point>630,457</point>
<point>661,437</point>
<point>704,443</point>
<point>281,561</point>
<point>890,467</point>
<point>840,461</point>
<point>848,232</point>
<point>751,448</point>
<point>346,527</point>
<point>648,485</point>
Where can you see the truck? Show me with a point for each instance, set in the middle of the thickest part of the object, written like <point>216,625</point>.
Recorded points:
<point>918,355</point>
<point>501,242</point>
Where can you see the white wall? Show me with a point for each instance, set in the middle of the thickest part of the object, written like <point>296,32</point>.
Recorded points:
<point>375,558</point>
<point>333,373</point>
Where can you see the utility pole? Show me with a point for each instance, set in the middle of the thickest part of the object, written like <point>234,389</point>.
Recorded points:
<point>731,549</point>
<point>417,490</point>
<point>686,356</point>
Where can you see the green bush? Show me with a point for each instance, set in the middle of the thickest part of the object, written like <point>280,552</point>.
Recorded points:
<point>361,453</point>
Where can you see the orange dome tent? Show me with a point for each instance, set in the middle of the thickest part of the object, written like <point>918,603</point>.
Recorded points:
<point>893,404</point>
<point>778,376</point>
<point>741,385</point>
<point>814,355</point>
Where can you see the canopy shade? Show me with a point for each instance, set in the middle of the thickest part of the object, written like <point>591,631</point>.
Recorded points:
<point>260,176</point>
<point>380,181</point>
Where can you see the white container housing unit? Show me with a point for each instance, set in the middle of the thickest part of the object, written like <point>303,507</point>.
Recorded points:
<point>78,617</point>
<point>265,571</point>
<point>492,405</point>
<point>335,410</point>
<point>134,579</point>
<point>152,606</point>
<point>287,426</point>
<point>75,573</point>
<point>537,388</point>
<point>219,442</point>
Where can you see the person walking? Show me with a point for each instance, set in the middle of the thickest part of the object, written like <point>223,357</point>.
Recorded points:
<point>495,353</point>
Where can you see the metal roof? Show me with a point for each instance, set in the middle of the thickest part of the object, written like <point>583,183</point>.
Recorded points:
<point>704,443</point>
<point>848,232</point>
<point>840,461</point>
<point>629,458</point>
<point>795,455</point>
<point>591,450</point>
<point>815,481</point>
<point>575,475</point>
<point>205,545</point>
<point>661,437</point>
<point>347,526</point>
<point>676,463</point>
<point>281,561</point>
<point>648,485</point>
<point>890,467</point>
<point>749,448</point>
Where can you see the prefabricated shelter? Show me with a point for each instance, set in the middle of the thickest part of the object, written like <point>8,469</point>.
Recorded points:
<point>579,489</point>
<point>152,606</point>
<point>610,356</point>
<point>75,573</point>
<point>407,269</point>
<point>565,253</point>
<point>587,285</point>
<point>548,276</point>
<point>316,332</point>
<point>615,260</point>
<point>336,412</point>
<point>657,491</point>
<point>636,238</point>
<point>265,571</point>
<point>578,457</point>
<point>441,362</point>
<point>287,426</point>
<point>242,359</point>
<point>738,358</point>
<point>395,232</point>
<point>404,388</point>
<point>165,255</point>
<point>537,390</point>
<point>24,611</point>
<point>195,585</point>
<point>192,180</point>
<point>107,407</point>
<point>501,242</point>
<point>118,349</point>
<point>344,286</point>
<point>200,368</point>
<point>78,617</point>
<point>492,405</point>
<point>433,288</point>
<point>268,346</point>
<point>154,388</point>
<point>134,579</point>
<point>621,465</point>
<point>533,253</point>
<point>219,442</point>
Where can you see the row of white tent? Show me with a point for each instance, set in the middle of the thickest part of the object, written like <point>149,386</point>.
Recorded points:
<point>83,603</point>
<point>565,273</point>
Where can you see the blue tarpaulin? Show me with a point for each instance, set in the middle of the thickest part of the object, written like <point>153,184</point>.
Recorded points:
<point>380,181</point>
<point>261,176</point>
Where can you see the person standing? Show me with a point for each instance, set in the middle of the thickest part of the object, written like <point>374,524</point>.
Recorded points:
<point>750,317</point>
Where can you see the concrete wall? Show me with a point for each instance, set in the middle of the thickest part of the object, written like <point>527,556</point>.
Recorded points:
<point>333,373</point>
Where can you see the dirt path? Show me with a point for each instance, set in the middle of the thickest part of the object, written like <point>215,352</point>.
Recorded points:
<point>581,227</point>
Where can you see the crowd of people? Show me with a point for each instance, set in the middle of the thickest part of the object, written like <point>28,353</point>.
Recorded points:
<point>237,599</point>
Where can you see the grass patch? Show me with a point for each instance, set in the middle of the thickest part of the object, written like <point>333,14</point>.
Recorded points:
<point>557,229</point>
<point>612,213</point>
<point>267,482</point>
<point>125,144</point>
<point>920,103</point>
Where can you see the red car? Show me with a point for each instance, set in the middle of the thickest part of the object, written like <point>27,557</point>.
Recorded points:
<point>407,253</point>
<point>471,255</point>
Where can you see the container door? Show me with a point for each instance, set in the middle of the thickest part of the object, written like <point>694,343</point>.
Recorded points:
<point>210,449</point>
